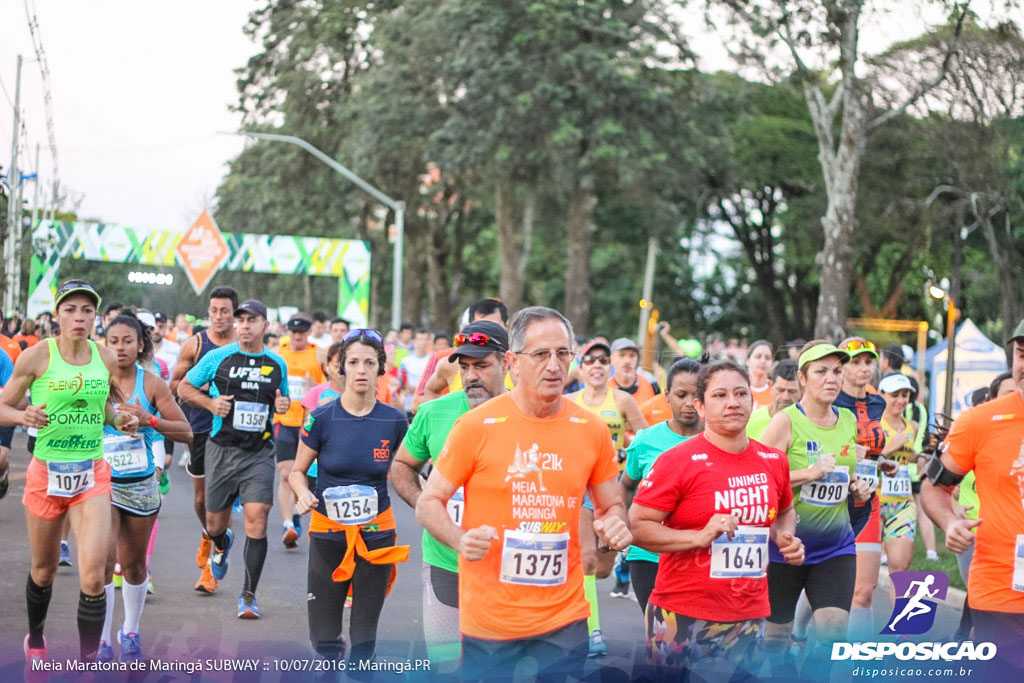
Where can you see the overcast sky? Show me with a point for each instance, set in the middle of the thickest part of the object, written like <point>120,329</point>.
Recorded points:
<point>141,89</point>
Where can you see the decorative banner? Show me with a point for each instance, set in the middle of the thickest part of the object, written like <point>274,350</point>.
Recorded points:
<point>202,251</point>
<point>347,260</point>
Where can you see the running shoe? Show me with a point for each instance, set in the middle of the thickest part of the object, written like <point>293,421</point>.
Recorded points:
<point>206,582</point>
<point>65,555</point>
<point>203,553</point>
<point>297,523</point>
<point>5,484</point>
<point>884,561</point>
<point>237,507</point>
<point>34,654</point>
<point>247,607</point>
<point>597,645</point>
<point>118,576</point>
<point>621,590</point>
<point>291,537</point>
<point>149,583</point>
<point>131,648</point>
<point>183,460</point>
<point>219,557</point>
<point>348,602</point>
<point>932,555</point>
<point>105,653</point>
<point>165,483</point>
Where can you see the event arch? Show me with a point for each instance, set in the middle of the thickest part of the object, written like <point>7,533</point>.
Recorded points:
<point>346,260</point>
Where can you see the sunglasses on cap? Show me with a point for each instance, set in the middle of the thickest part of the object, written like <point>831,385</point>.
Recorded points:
<point>360,331</point>
<point>603,359</point>
<point>860,345</point>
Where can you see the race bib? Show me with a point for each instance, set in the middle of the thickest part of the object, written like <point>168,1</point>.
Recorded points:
<point>743,556</point>
<point>67,479</point>
<point>1018,564</point>
<point>250,417</point>
<point>126,454</point>
<point>534,559</point>
<point>867,470</point>
<point>827,492</point>
<point>297,387</point>
<point>354,504</point>
<point>456,505</point>
<point>898,486</point>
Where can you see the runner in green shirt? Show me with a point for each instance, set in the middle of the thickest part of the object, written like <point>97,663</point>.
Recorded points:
<point>647,445</point>
<point>480,353</point>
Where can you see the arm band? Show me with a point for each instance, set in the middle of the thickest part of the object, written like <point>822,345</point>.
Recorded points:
<point>938,473</point>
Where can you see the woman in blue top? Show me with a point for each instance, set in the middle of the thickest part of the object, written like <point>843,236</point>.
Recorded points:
<point>352,533</point>
<point>134,476</point>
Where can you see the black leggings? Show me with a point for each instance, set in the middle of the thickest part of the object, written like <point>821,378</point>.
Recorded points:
<point>642,574</point>
<point>325,602</point>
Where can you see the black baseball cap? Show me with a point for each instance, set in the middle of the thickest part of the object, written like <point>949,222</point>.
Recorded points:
<point>159,317</point>
<point>480,339</point>
<point>252,307</point>
<point>1018,333</point>
<point>300,322</point>
<point>76,287</point>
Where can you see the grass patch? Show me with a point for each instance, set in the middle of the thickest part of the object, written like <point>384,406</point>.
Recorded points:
<point>946,562</point>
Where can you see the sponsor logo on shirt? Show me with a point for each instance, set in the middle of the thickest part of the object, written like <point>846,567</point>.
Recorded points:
<point>494,420</point>
<point>699,456</point>
<point>578,420</point>
<point>1000,418</point>
<point>76,384</point>
<point>768,455</point>
<point>746,498</point>
<point>384,452</point>
<point>543,527</point>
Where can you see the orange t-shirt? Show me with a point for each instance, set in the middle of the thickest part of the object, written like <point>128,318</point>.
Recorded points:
<point>383,390</point>
<point>525,477</point>
<point>762,397</point>
<point>989,439</point>
<point>10,346</point>
<point>656,410</point>
<point>304,373</point>
<point>644,391</point>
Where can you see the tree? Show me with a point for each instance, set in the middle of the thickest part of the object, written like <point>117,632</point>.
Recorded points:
<point>843,119</point>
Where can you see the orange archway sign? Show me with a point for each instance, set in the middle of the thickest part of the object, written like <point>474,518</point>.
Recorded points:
<point>202,251</point>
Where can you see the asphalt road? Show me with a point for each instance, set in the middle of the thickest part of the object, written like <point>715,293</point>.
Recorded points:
<point>182,626</point>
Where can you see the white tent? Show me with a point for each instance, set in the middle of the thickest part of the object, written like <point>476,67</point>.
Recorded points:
<point>976,363</point>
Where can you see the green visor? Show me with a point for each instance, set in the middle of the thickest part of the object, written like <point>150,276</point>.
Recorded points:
<point>820,351</point>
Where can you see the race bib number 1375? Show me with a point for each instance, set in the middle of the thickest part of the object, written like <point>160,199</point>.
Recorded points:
<point>535,559</point>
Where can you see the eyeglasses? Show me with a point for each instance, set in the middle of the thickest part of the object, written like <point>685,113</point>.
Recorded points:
<point>360,331</point>
<point>858,345</point>
<point>603,359</point>
<point>544,355</point>
<point>476,339</point>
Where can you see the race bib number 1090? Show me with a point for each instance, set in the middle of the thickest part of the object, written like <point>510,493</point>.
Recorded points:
<point>535,559</point>
<point>831,490</point>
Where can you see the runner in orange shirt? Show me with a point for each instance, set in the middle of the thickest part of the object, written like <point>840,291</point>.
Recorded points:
<point>988,440</point>
<point>525,461</point>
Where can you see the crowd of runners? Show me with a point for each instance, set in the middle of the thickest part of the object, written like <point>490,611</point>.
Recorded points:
<point>744,499</point>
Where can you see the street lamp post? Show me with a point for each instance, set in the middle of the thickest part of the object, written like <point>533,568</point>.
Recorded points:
<point>944,296</point>
<point>397,206</point>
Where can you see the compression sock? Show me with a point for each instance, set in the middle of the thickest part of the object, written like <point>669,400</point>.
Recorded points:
<point>255,556</point>
<point>590,590</point>
<point>860,628</point>
<point>38,600</point>
<point>108,620</point>
<point>152,543</point>
<point>134,602</point>
<point>220,540</point>
<point>91,611</point>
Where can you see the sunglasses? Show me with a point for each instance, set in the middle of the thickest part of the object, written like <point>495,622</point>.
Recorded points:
<point>858,345</point>
<point>476,339</point>
<point>360,331</point>
<point>603,359</point>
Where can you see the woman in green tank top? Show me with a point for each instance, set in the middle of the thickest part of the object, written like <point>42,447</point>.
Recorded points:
<point>70,382</point>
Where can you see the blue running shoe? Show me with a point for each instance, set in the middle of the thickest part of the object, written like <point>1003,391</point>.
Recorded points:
<point>65,555</point>
<point>105,653</point>
<point>297,523</point>
<point>247,607</point>
<point>237,507</point>
<point>597,645</point>
<point>131,648</point>
<point>219,557</point>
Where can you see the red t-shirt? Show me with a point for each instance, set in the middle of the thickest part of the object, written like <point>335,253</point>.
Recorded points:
<point>694,481</point>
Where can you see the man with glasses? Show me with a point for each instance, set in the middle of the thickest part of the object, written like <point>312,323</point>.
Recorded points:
<point>223,302</point>
<point>525,460</point>
<point>247,384</point>
<point>480,355</point>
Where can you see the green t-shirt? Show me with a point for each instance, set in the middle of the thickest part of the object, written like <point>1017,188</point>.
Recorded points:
<point>647,445</point>
<point>75,397</point>
<point>424,441</point>
<point>759,420</point>
<point>969,496</point>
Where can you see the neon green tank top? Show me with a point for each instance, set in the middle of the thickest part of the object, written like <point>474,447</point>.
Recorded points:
<point>610,413</point>
<point>75,397</point>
